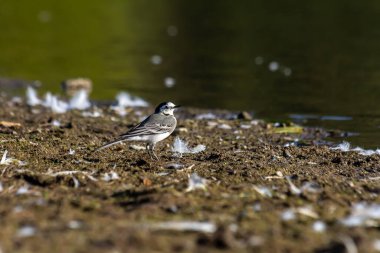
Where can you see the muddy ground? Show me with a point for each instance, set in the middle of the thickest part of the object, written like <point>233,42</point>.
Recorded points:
<point>68,202</point>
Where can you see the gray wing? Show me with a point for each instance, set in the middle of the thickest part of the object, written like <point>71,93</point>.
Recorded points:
<point>154,124</point>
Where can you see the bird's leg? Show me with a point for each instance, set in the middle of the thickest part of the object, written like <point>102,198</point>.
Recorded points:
<point>155,156</point>
<point>148,150</point>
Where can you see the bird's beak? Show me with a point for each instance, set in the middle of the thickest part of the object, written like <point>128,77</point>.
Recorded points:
<point>176,106</point>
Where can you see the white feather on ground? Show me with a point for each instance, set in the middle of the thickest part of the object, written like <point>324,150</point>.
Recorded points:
<point>80,101</point>
<point>363,214</point>
<point>196,182</point>
<point>124,99</point>
<point>181,147</point>
<point>31,97</point>
<point>7,161</point>
<point>346,146</point>
<point>194,226</point>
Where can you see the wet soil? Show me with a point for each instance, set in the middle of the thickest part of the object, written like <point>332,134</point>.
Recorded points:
<point>64,202</point>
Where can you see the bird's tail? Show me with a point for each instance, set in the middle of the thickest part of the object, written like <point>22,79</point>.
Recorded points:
<point>109,144</point>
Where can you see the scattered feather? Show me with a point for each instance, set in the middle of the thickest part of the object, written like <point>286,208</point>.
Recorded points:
<point>294,143</point>
<point>26,231</point>
<point>76,181</point>
<point>31,97</point>
<point>22,190</point>
<point>263,191</point>
<point>194,226</point>
<point>293,189</point>
<point>288,215</point>
<point>71,151</point>
<point>4,158</point>
<point>311,187</point>
<point>58,106</point>
<point>180,147</point>
<point>307,211</point>
<point>346,147</point>
<point>16,100</point>
<point>110,176</point>
<point>74,224</point>
<point>196,182</point>
<point>71,173</point>
<point>363,214</point>
<point>160,174</point>
<point>212,124</point>
<point>124,99</point>
<point>9,161</point>
<point>199,148</point>
<point>79,101</point>
<point>121,111</point>
<point>319,226</point>
<point>224,126</point>
<point>56,123</point>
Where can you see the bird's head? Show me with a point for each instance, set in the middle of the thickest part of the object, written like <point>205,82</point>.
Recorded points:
<point>166,108</point>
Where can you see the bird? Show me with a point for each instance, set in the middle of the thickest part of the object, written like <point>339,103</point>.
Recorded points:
<point>153,129</point>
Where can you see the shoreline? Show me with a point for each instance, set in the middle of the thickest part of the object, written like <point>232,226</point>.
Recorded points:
<point>254,191</point>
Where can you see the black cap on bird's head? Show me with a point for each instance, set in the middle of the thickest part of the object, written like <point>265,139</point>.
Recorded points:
<point>166,108</point>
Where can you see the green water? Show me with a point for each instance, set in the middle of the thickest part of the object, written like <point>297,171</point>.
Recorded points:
<point>331,47</point>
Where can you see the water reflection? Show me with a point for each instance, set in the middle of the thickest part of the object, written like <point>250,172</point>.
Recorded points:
<point>276,59</point>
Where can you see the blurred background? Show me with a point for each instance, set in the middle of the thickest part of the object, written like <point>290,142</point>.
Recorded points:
<point>314,62</point>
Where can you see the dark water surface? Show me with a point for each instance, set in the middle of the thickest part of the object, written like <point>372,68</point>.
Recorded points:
<point>280,59</point>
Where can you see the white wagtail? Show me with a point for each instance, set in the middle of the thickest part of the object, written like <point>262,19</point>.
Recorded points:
<point>153,129</point>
